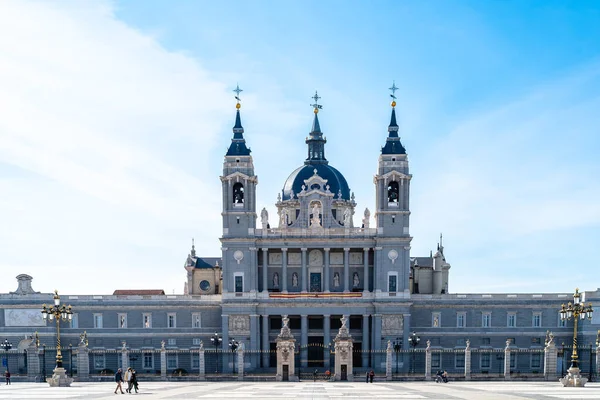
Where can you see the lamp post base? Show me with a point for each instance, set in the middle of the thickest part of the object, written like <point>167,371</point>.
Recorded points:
<point>60,378</point>
<point>573,378</point>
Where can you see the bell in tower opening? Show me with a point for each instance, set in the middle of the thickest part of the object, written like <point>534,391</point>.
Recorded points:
<point>238,193</point>
<point>393,191</point>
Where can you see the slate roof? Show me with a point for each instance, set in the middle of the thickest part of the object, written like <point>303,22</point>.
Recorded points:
<point>138,292</point>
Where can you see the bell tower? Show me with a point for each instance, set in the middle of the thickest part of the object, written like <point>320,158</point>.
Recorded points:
<point>239,209</point>
<point>392,184</point>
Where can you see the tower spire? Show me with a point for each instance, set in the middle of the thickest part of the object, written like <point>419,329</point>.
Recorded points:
<point>238,143</point>
<point>315,141</point>
<point>392,143</point>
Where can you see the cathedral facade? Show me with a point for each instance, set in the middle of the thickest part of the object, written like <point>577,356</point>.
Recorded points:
<point>312,264</point>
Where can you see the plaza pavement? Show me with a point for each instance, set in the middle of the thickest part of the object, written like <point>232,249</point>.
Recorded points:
<point>308,390</point>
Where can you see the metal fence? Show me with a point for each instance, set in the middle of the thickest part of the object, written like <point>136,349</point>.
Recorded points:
<point>486,363</point>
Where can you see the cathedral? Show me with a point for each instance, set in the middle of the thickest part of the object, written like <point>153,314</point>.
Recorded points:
<point>313,265</point>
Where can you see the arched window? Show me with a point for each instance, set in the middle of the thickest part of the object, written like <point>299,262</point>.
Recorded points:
<point>238,193</point>
<point>393,192</point>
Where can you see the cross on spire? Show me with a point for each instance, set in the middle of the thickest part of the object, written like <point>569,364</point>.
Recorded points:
<point>237,91</point>
<point>393,89</point>
<point>316,105</point>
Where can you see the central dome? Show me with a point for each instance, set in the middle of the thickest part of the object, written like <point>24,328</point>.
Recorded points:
<point>336,181</point>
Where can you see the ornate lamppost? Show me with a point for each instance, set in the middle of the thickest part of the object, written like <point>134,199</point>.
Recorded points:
<point>413,340</point>
<point>216,340</point>
<point>577,310</point>
<point>397,348</point>
<point>58,313</point>
<point>6,346</point>
<point>233,345</point>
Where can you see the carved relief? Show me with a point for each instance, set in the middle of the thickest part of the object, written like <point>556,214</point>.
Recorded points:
<point>23,317</point>
<point>336,258</point>
<point>392,325</point>
<point>274,258</point>
<point>239,325</point>
<point>294,258</point>
<point>315,258</point>
<point>356,258</point>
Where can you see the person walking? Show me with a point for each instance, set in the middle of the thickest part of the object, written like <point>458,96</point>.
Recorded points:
<point>128,380</point>
<point>119,380</point>
<point>367,377</point>
<point>371,376</point>
<point>7,376</point>
<point>134,380</point>
<point>315,376</point>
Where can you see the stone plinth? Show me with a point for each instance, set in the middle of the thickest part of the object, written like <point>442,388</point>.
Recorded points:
<point>33,362</point>
<point>240,362</point>
<point>83,363</point>
<point>343,353</point>
<point>286,346</point>
<point>60,378</point>
<point>573,378</point>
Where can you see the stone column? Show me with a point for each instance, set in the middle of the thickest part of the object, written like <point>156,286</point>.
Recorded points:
<point>33,361</point>
<point>284,283</point>
<point>376,344</point>
<point>226,283</point>
<point>286,345</point>
<point>225,344</point>
<point>365,340</point>
<point>597,360</point>
<point>346,269</point>
<point>551,360</point>
<point>83,359</point>
<point>254,338</point>
<point>240,362</point>
<point>254,268</point>
<point>163,361</point>
<point>266,348</point>
<point>124,357</point>
<point>365,269</point>
<point>304,341</point>
<point>201,363</point>
<point>327,341</point>
<point>326,271</point>
<point>343,352</point>
<point>265,277</point>
<point>304,271</point>
<point>376,269</point>
<point>428,361</point>
<point>468,361</point>
<point>388,361</point>
<point>507,361</point>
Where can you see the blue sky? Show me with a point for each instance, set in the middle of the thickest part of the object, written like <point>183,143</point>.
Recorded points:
<point>116,116</point>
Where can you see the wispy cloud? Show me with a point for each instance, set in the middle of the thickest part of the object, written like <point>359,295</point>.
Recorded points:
<point>512,178</point>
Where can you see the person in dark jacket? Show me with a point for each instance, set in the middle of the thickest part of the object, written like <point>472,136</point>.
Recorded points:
<point>371,375</point>
<point>119,380</point>
<point>134,380</point>
<point>7,376</point>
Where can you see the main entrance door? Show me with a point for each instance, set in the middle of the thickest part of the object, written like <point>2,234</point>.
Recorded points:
<point>315,282</point>
<point>315,352</point>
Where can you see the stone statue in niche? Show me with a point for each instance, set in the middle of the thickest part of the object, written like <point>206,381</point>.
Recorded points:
<point>264,218</point>
<point>283,218</point>
<point>276,280</point>
<point>336,279</point>
<point>355,280</point>
<point>366,219</point>
<point>295,279</point>
<point>347,217</point>
<point>315,220</point>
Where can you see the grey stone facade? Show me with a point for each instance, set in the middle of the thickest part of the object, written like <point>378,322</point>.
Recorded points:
<point>311,263</point>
